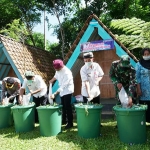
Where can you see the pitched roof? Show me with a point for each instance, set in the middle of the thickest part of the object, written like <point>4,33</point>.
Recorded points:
<point>24,57</point>
<point>93,30</point>
<point>84,28</point>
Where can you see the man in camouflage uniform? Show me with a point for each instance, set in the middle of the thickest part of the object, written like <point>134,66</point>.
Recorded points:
<point>123,74</point>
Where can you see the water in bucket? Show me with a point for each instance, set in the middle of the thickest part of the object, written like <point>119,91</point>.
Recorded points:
<point>26,99</point>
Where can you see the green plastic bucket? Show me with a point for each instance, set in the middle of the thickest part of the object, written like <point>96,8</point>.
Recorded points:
<point>131,124</point>
<point>23,117</point>
<point>50,118</point>
<point>88,120</point>
<point>6,117</point>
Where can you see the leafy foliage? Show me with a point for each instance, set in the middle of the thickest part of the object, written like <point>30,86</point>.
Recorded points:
<point>75,14</point>
<point>39,41</point>
<point>16,30</point>
<point>133,33</point>
<point>8,12</point>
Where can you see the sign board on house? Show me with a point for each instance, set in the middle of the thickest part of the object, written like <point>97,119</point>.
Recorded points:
<point>97,45</point>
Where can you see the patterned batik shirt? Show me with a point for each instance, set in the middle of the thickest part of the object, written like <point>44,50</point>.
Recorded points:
<point>125,76</point>
<point>143,78</point>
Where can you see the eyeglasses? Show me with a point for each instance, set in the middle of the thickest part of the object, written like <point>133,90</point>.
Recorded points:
<point>8,85</point>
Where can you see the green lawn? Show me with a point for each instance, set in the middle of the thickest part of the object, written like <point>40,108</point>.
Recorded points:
<point>67,140</point>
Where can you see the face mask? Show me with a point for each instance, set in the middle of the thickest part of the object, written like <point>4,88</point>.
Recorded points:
<point>29,81</point>
<point>88,64</point>
<point>146,57</point>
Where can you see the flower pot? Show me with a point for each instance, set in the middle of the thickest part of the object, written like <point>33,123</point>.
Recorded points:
<point>23,117</point>
<point>88,120</point>
<point>50,118</point>
<point>131,124</point>
<point>6,117</point>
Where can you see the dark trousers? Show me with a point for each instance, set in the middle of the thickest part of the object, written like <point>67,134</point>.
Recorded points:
<point>95,100</point>
<point>67,115</point>
<point>12,99</point>
<point>148,109</point>
<point>39,101</point>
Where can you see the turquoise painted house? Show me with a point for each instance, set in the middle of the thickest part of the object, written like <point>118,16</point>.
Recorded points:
<point>95,30</point>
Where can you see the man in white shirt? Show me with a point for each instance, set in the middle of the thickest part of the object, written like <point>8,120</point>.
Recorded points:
<point>37,88</point>
<point>65,90</point>
<point>91,74</point>
<point>10,89</point>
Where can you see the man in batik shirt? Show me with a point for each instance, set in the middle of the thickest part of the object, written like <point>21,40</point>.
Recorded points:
<point>123,74</point>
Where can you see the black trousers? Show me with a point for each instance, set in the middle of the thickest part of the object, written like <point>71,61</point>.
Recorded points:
<point>95,100</point>
<point>67,115</point>
<point>39,101</point>
<point>12,99</point>
<point>148,109</point>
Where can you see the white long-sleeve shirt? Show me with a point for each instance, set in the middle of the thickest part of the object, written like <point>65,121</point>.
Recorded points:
<point>38,83</point>
<point>65,81</point>
<point>91,75</point>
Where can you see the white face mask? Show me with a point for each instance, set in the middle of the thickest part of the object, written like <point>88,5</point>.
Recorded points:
<point>146,57</point>
<point>88,64</point>
<point>30,81</point>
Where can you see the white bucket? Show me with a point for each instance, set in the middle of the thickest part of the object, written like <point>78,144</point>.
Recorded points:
<point>26,99</point>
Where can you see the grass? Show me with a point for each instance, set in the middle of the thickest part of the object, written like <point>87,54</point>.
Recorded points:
<point>67,140</point>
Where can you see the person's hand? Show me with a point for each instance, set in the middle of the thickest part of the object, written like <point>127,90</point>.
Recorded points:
<point>20,101</point>
<point>130,102</point>
<point>50,81</point>
<point>52,96</point>
<point>97,82</point>
<point>90,97</point>
<point>2,102</point>
<point>139,92</point>
<point>31,92</point>
<point>119,86</point>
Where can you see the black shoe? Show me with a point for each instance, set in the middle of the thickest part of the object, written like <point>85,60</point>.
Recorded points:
<point>68,126</point>
<point>64,122</point>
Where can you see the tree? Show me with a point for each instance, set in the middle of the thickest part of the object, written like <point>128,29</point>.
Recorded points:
<point>30,14</point>
<point>27,11</point>
<point>106,10</point>
<point>58,8</point>
<point>8,13</point>
<point>16,30</point>
<point>39,42</point>
<point>133,33</point>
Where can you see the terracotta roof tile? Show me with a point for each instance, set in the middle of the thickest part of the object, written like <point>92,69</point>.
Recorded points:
<point>27,57</point>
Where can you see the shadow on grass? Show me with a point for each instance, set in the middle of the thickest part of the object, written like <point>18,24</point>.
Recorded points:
<point>10,133</point>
